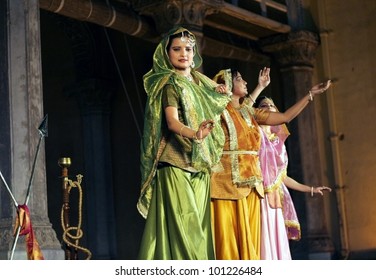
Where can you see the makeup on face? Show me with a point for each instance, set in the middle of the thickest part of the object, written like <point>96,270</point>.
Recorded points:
<point>268,105</point>
<point>181,54</point>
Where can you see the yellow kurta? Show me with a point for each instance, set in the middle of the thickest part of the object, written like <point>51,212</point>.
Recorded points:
<point>236,188</point>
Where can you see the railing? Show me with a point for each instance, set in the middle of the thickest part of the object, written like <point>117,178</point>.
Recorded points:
<point>275,10</point>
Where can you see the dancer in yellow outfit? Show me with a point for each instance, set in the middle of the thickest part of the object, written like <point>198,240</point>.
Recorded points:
<point>236,185</point>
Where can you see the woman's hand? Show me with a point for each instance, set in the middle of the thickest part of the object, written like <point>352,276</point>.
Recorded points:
<point>221,88</point>
<point>264,77</point>
<point>320,88</point>
<point>321,189</point>
<point>204,129</point>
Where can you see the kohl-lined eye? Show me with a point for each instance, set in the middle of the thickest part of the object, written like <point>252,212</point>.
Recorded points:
<point>266,105</point>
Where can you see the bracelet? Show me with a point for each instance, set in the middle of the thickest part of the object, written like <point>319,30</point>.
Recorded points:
<point>195,138</point>
<point>181,129</point>
<point>310,96</point>
<point>311,191</point>
<point>250,97</point>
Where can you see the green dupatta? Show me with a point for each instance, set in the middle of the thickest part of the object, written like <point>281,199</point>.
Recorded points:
<point>199,101</point>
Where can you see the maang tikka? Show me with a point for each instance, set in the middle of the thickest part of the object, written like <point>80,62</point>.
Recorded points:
<point>188,38</point>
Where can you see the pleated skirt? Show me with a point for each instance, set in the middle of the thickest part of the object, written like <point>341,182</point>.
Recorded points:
<point>178,224</point>
<point>236,228</point>
<point>274,240</point>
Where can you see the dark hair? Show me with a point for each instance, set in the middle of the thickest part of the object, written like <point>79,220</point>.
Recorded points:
<point>176,35</point>
<point>234,72</point>
<point>259,99</point>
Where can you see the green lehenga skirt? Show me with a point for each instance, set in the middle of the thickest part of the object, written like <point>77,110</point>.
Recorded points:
<point>178,225</point>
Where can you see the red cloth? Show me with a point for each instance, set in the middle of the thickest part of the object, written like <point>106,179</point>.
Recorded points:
<point>23,220</point>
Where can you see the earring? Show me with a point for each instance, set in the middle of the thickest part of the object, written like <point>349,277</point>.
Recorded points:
<point>193,64</point>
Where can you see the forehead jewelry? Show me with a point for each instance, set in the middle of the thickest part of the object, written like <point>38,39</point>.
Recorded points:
<point>188,38</point>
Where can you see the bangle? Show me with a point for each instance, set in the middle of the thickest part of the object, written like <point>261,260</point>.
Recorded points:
<point>250,97</point>
<point>181,130</point>
<point>311,191</point>
<point>195,138</point>
<point>310,96</point>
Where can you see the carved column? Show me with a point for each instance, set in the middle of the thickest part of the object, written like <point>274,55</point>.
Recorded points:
<point>295,54</point>
<point>94,99</point>
<point>171,13</point>
<point>21,108</point>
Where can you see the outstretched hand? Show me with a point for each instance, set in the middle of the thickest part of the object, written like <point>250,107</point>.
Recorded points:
<point>264,77</point>
<point>321,189</point>
<point>204,129</point>
<point>320,88</point>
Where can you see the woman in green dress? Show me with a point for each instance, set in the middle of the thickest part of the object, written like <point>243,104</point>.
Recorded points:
<point>182,142</point>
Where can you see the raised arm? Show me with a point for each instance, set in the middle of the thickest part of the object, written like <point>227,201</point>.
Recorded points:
<point>276,118</point>
<point>263,82</point>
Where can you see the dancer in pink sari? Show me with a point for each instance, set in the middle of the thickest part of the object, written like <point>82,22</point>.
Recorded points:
<point>279,221</point>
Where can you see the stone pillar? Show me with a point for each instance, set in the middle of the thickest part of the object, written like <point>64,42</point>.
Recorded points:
<point>94,99</point>
<point>295,54</point>
<point>21,114</point>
